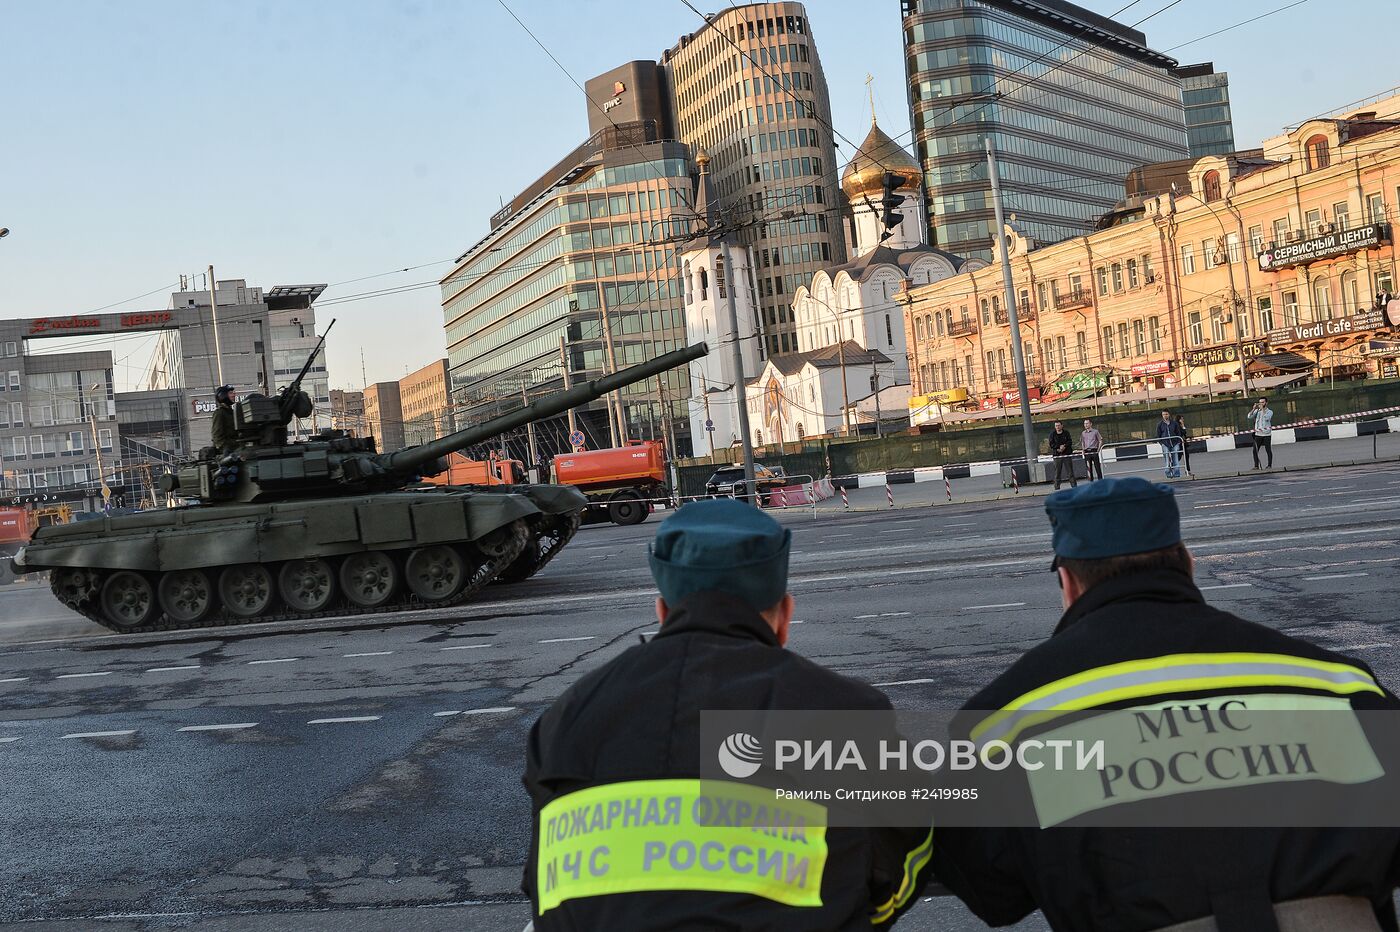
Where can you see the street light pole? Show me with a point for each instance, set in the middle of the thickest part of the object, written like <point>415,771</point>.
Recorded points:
<point>214,315</point>
<point>1019,359</point>
<point>740,385</point>
<point>1236,302</point>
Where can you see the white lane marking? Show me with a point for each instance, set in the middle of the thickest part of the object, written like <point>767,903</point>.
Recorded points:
<point>1378,644</point>
<point>15,679</point>
<point>370,653</point>
<point>447,713</point>
<point>1233,585</point>
<point>896,530</point>
<point>798,621</point>
<point>252,663</point>
<point>958,525</point>
<point>903,683</point>
<point>74,676</point>
<point>349,719</point>
<point>231,726</point>
<point>884,615</point>
<point>465,646</point>
<point>194,666</point>
<point>1335,576</point>
<point>829,536</point>
<point>969,608</point>
<point>489,711</point>
<point>102,734</point>
<point>8,740</point>
<point>587,637</point>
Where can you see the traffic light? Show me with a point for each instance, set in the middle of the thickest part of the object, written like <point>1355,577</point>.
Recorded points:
<point>889,200</point>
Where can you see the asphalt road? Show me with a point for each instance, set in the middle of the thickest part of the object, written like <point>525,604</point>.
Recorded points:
<point>363,774</point>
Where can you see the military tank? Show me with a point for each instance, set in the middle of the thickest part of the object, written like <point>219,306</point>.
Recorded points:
<point>273,529</point>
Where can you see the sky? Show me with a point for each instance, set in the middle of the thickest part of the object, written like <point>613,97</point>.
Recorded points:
<point>346,142</point>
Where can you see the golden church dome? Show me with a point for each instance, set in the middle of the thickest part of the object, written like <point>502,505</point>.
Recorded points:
<point>865,175</point>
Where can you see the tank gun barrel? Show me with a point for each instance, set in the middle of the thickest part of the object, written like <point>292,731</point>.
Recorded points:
<point>548,406</point>
<point>287,399</point>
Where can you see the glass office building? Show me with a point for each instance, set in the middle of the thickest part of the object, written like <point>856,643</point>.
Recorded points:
<point>584,240</point>
<point>1206,94</point>
<point>1072,101</point>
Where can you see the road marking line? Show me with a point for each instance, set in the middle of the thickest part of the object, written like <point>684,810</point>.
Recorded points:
<point>74,676</point>
<point>1335,576</point>
<point>896,530</point>
<point>447,713</point>
<point>958,525</point>
<point>370,653</point>
<point>102,734</point>
<point>172,669</point>
<point>587,637</point>
<point>903,683</point>
<point>894,614</point>
<point>1233,585</point>
<point>859,617</point>
<point>837,535</point>
<point>798,621</point>
<point>231,726</point>
<point>278,660</point>
<point>968,608</point>
<point>1365,646</point>
<point>490,710</point>
<point>465,646</point>
<point>8,740</point>
<point>15,679</point>
<point>349,719</point>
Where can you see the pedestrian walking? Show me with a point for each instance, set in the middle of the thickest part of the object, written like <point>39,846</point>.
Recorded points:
<point>1137,635</point>
<point>1091,445</point>
<point>622,746</point>
<point>1062,449</point>
<point>1261,417</point>
<point>1171,445</point>
<point>1185,444</point>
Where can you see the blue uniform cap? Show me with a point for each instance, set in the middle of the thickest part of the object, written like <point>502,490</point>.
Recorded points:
<point>1113,518</point>
<point>722,545</point>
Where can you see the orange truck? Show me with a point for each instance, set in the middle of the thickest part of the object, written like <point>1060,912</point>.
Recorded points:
<point>14,534</point>
<point>618,482</point>
<point>464,471</point>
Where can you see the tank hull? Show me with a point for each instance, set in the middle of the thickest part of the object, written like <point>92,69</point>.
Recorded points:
<point>395,551</point>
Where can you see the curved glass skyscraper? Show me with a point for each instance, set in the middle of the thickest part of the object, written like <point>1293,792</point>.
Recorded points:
<point>1071,99</point>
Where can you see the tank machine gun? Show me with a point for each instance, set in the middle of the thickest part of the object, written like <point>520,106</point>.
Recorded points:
<point>317,527</point>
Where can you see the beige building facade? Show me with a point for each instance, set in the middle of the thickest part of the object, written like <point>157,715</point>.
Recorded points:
<point>424,403</point>
<point>1283,255</point>
<point>384,415</point>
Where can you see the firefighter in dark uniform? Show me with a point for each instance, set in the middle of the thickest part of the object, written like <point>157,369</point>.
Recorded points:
<point>221,430</point>
<point>1136,634</point>
<point>620,837</point>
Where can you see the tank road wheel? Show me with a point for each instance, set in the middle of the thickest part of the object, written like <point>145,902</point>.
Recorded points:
<point>246,590</point>
<point>505,542</point>
<point>436,573</point>
<point>128,601</point>
<point>370,579</point>
<point>307,585</point>
<point>75,587</point>
<point>627,508</point>
<point>186,596</point>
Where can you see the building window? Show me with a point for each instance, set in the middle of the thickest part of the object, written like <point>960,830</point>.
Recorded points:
<point>1132,273</point>
<point>957,373</point>
<point>1001,363</point>
<point>11,349</point>
<point>1107,344</point>
<point>1210,253</point>
<point>1076,283</point>
<point>1312,221</point>
<point>1188,259</point>
<point>1217,325</point>
<point>1081,348</point>
<point>1124,347</point>
<point>889,331</point>
<point>940,324</point>
<point>1154,324</point>
<point>1043,293</point>
<point>1062,351</point>
<point>1147,275</point>
<point>1351,298</point>
<point>1375,209</point>
<point>918,328</point>
<point>1290,309</point>
<point>1102,274</point>
<point>1117,276</point>
<point>986,316</point>
<point>1322,299</point>
<point>1233,251</point>
<point>1197,335</point>
<point>1266,314</point>
<point>1341,215</point>
<point>991,370</point>
<point>1140,337</point>
<point>1256,240</point>
<point>1210,184</point>
<point>1281,231</point>
<point>1317,154</point>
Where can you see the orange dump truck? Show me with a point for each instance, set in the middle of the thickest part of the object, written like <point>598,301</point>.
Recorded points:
<point>464,471</point>
<point>617,481</point>
<point>14,534</point>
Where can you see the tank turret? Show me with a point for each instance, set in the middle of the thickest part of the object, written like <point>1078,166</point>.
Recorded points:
<point>265,467</point>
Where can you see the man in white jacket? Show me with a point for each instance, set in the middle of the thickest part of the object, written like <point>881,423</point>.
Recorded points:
<point>1262,417</point>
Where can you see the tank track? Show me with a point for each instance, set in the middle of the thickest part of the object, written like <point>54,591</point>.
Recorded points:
<point>83,597</point>
<point>549,535</point>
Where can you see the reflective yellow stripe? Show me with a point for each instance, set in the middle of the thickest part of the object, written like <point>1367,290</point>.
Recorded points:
<point>709,835</point>
<point>914,863</point>
<point>1173,673</point>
